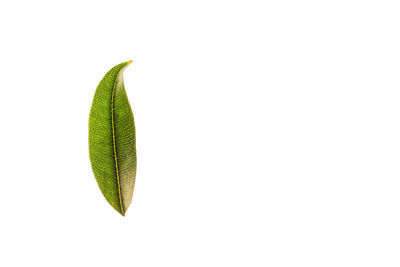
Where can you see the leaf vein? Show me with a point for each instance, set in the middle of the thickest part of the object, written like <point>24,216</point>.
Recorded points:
<point>114,143</point>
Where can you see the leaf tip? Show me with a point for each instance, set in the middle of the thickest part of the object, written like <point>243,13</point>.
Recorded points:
<point>129,62</point>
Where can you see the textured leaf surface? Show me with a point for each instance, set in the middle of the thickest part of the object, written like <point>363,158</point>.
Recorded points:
<point>112,142</point>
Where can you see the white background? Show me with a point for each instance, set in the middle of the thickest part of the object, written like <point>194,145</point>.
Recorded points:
<point>267,133</point>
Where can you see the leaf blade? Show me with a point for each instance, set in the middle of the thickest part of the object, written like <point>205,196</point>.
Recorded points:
<point>112,142</point>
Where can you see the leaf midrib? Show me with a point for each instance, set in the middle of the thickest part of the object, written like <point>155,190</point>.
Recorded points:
<point>114,143</point>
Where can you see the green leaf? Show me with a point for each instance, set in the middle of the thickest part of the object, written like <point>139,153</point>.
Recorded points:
<point>112,141</point>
